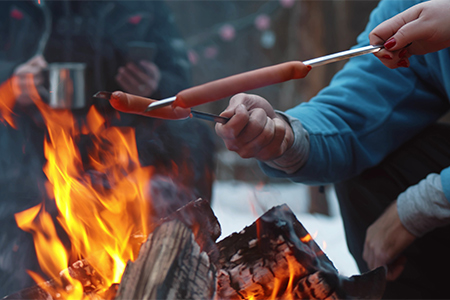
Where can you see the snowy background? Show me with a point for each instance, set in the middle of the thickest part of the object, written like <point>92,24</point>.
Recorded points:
<point>237,204</point>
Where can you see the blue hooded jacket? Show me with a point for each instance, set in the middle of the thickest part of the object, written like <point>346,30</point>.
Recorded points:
<point>369,110</point>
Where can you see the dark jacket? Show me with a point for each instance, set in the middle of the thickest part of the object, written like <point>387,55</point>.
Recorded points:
<point>97,33</point>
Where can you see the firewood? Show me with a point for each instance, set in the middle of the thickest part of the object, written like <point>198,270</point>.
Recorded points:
<point>196,215</point>
<point>200,218</point>
<point>276,258</point>
<point>81,270</point>
<point>170,266</point>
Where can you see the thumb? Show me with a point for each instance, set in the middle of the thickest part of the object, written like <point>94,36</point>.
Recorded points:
<point>396,268</point>
<point>38,61</point>
<point>397,31</point>
<point>233,105</point>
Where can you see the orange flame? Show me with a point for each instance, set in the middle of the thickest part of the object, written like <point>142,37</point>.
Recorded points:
<point>306,238</point>
<point>40,223</point>
<point>276,288</point>
<point>7,101</point>
<point>97,218</point>
<point>101,205</point>
<point>292,273</point>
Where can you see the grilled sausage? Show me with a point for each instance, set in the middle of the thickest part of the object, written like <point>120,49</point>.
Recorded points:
<point>136,104</point>
<point>211,91</point>
<point>239,83</point>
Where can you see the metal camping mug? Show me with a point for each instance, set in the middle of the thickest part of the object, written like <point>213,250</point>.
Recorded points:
<point>67,85</point>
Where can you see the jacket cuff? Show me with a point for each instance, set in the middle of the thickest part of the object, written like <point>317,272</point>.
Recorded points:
<point>296,156</point>
<point>424,207</point>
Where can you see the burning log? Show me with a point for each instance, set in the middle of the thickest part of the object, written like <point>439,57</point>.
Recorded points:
<point>197,216</point>
<point>276,258</point>
<point>200,218</point>
<point>81,270</point>
<point>170,266</point>
<point>174,263</point>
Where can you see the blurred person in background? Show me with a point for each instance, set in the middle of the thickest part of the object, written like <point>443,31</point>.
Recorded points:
<point>101,35</point>
<point>374,133</point>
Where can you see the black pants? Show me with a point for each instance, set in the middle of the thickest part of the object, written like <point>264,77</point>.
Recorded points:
<point>364,198</point>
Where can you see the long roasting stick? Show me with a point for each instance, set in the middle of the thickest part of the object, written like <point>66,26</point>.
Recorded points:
<point>246,81</point>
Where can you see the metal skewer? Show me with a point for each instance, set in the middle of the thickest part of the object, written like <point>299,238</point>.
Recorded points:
<point>209,117</point>
<point>323,60</point>
<point>315,62</point>
<point>161,103</point>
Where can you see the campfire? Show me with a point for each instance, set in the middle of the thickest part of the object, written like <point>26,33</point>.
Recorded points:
<point>274,258</point>
<point>117,251</point>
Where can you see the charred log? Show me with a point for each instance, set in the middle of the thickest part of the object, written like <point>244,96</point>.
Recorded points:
<point>200,218</point>
<point>35,292</point>
<point>275,257</point>
<point>81,271</point>
<point>170,266</point>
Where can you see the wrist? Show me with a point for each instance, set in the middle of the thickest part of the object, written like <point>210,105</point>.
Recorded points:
<point>424,207</point>
<point>297,150</point>
<point>289,136</point>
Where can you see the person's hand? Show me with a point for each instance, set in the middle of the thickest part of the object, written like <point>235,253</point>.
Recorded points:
<point>254,130</point>
<point>386,239</point>
<point>425,27</point>
<point>28,78</point>
<point>142,80</point>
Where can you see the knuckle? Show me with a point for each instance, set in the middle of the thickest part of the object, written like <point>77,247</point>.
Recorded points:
<point>278,152</point>
<point>259,115</point>
<point>267,135</point>
<point>238,98</point>
<point>226,133</point>
<point>246,153</point>
<point>231,146</point>
<point>401,35</point>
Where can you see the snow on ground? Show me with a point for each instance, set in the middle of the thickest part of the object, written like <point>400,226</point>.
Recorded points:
<point>237,205</point>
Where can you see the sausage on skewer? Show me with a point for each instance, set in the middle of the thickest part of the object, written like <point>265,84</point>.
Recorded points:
<point>211,91</point>
<point>129,103</point>
<point>243,82</point>
<point>229,86</point>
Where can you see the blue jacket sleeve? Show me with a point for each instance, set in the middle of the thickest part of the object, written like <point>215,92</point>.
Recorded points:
<point>369,110</point>
<point>445,180</point>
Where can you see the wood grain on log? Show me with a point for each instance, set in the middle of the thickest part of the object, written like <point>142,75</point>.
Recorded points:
<point>170,266</point>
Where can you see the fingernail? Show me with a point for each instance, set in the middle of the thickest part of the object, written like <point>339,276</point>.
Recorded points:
<point>117,94</point>
<point>402,53</point>
<point>309,67</point>
<point>387,56</point>
<point>115,97</point>
<point>403,63</point>
<point>390,43</point>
